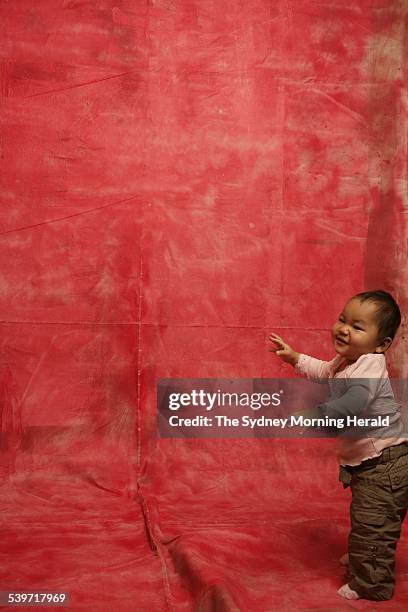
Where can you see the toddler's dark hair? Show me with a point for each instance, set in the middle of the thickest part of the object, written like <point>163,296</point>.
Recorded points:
<point>388,313</point>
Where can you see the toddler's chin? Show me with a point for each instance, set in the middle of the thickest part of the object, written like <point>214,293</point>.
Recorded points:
<point>339,348</point>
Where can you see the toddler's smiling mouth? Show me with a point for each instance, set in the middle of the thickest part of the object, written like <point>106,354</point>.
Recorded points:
<point>341,341</point>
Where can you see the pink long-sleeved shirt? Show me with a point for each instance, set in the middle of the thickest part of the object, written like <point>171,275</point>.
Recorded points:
<point>352,451</point>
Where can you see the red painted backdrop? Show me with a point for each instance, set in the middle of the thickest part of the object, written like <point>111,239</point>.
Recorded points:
<point>177,178</point>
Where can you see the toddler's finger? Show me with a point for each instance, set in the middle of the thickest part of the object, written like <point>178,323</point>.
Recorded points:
<point>277,341</point>
<point>282,347</point>
<point>273,336</point>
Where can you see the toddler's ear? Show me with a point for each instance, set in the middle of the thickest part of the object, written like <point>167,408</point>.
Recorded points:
<point>385,344</point>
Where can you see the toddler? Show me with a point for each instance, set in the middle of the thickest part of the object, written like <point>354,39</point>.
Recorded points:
<point>374,464</point>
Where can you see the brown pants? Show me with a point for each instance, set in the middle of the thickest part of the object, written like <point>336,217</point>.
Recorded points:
<point>379,505</point>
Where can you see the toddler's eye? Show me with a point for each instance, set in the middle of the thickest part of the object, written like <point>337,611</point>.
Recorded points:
<point>357,327</point>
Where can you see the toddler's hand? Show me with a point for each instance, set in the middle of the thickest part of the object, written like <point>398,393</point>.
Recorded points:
<point>283,350</point>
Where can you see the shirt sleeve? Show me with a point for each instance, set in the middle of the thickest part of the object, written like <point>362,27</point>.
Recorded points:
<point>362,384</point>
<point>352,403</point>
<point>312,368</point>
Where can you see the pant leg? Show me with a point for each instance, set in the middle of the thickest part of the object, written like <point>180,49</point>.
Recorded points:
<point>379,503</point>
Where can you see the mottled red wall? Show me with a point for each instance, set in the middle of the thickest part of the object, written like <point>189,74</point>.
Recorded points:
<point>177,178</point>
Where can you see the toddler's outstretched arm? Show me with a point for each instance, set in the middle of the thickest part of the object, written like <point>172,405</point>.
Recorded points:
<point>289,355</point>
<point>284,350</point>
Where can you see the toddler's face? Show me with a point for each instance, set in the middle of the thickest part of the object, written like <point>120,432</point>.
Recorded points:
<point>355,333</point>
